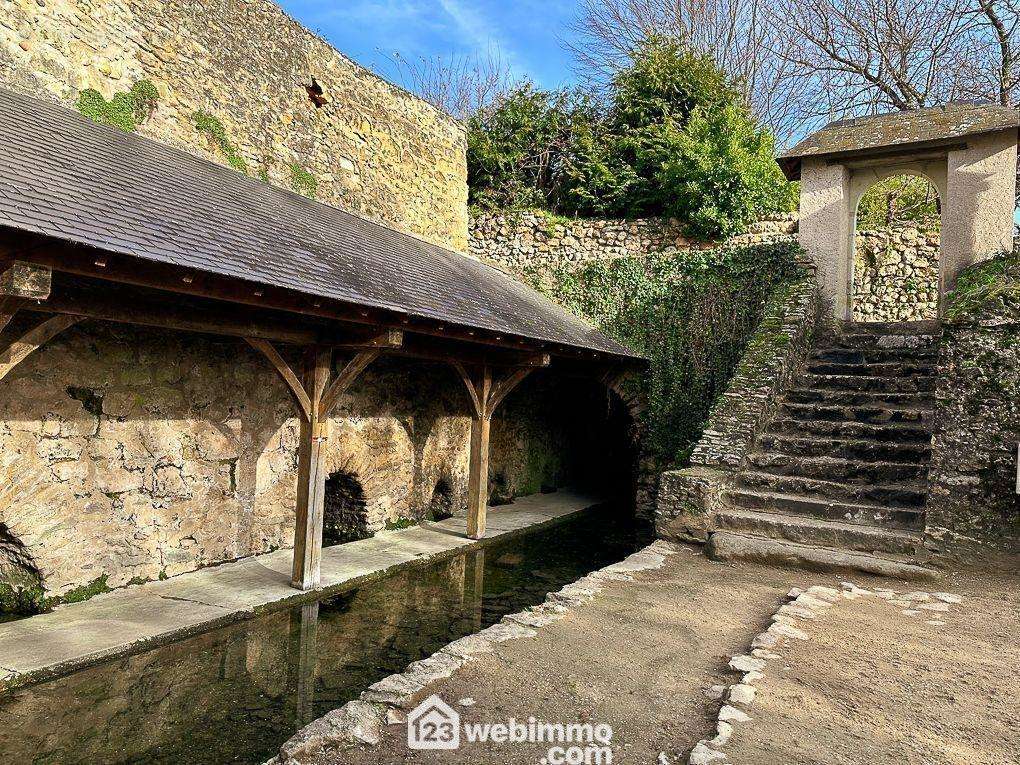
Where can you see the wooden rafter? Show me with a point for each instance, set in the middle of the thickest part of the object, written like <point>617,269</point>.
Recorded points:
<point>286,374</point>
<point>32,340</point>
<point>343,381</point>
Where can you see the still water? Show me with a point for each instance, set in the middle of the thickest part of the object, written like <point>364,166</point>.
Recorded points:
<point>234,694</point>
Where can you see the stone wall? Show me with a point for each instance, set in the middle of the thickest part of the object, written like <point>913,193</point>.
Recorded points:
<point>896,275</point>
<point>973,477</point>
<point>130,453</point>
<point>522,241</point>
<point>371,147</point>
<point>687,498</point>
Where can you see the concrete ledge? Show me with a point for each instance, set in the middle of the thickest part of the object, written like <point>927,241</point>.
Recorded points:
<point>136,618</point>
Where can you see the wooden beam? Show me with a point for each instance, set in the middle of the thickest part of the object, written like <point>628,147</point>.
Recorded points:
<point>305,574</point>
<point>8,308</point>
<point>343,381</point>
<point>286,374</point>
<point>25,280</point>
<point>125,269</point>
<point>96,299</point>
<point>32,340</point>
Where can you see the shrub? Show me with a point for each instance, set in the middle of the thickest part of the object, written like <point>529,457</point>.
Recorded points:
<point>674,139</point>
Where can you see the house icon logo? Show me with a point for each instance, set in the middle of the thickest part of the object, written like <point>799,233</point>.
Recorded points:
<point>433,724</point>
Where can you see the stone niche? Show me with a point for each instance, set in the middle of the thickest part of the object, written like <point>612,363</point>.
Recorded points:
<point>129,453</point>
<point>294,109</point>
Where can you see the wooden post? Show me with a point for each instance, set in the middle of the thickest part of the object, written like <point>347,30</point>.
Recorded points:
<point>485,397</point>
<point>478,469</point>
<point>311,474</point>
<point>307,659</point>
<point>316,402</point>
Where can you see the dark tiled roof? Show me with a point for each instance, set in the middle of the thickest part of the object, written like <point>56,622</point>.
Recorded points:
<point>939,123</point>
<point>64,176</point>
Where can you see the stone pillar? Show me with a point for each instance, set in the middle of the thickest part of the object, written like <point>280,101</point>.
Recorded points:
<point>980,200</point>
<point>826,231</point>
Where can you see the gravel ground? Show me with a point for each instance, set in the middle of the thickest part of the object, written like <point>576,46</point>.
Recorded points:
<point>875,686</point>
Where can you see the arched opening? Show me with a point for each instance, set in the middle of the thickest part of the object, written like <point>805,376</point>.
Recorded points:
<point>896,251</point>
<point>582,438</point>
<point>441,504</point>
<point>344,510</point>
<point>20,579</point>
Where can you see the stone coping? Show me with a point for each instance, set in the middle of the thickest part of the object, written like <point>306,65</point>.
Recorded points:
<point>136,618</point>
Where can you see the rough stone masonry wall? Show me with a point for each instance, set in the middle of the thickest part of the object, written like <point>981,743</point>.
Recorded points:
<point>896,275</point>
<point>687,498</point>
<point>522,241</point>
<point>130,453</point>
<point>973,477</point>
<point>371,148</point>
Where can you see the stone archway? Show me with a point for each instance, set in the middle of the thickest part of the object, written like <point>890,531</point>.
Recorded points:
<point>968,151</point>
<point>897,235</point>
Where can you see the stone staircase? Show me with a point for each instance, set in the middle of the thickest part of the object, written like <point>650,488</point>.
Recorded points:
<point>843,464</point>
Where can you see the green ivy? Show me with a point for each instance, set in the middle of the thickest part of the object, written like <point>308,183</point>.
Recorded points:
<point>125,110</point>
<point>302,181</point>
<point>212,127</point>
<point>692,314</point>
<point>989,284</point>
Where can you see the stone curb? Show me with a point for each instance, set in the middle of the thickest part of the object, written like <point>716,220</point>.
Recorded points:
<point>386,702</point>
<point>802,607</point>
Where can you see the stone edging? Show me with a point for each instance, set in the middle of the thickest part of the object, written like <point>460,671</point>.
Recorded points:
<point>787,623</point>
<point>386,702</point>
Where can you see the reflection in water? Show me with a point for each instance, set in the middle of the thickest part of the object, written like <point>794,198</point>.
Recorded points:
<point>236,693</point>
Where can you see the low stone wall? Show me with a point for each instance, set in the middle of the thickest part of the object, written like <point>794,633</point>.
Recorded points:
<point>687,498</point>
<point>128,453</point>
<point>524,241</point>
<point>972,483</point>
<point>896,275</point>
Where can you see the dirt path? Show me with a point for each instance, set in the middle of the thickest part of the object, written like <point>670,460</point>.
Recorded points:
<point>641,655</point>
<point>876,685</point>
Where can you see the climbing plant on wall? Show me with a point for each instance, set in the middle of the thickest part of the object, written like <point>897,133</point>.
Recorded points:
<point>124,110</point>
<point>691,313</point>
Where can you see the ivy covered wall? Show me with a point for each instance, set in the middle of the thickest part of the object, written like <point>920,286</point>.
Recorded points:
<point>977,427</point>
<point>691,313</point>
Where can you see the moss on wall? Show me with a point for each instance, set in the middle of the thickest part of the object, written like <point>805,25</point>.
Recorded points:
<point>124,110</point>
<point>213,128</point>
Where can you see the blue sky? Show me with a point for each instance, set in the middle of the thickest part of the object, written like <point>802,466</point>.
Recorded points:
<point>527,33</point>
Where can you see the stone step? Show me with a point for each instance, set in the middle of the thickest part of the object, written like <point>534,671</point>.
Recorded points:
<point>814,531</point>
<point>897,495</point>
<point>872,383</point>
<point>729,545</point>
<point>825,508</point>
<point>884,432</point>
<point>837,468</point>
<point>851,449</point>
<point>871,414</point>
<point>879,369</point>
<point>874,355</point>
<point>859,398</point>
